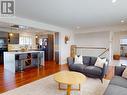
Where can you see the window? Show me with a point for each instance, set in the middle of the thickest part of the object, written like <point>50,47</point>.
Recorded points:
<point>123,41</point>
<point>25,40</point>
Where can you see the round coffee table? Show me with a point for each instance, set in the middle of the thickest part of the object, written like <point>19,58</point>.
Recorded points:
<point>69,78</point>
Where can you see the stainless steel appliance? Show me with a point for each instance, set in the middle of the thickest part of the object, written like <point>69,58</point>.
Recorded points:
<point>3,48</point>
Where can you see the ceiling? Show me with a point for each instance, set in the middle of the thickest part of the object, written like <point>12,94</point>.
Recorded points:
<point>7,27</point>
<point>72,13</point>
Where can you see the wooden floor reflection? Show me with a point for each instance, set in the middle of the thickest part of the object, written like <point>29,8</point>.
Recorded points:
<point>10,80</point>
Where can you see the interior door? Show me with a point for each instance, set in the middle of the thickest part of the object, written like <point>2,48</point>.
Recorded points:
<point>50,47</point>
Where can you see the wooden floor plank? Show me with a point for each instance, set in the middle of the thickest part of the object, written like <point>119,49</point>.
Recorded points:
<point>10,81</point>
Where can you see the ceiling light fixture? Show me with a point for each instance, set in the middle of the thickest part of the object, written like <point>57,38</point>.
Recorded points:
<point>10,34</point>
<point>36,36</point>
<point>113,1</point>
<point>78,27</point>
<point>19,27</point>
<point>122,21</point>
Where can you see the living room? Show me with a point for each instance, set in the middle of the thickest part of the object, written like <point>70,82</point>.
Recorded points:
<point>86,52</point>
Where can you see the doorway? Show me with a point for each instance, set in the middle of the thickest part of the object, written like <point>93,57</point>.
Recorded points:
<point>123,48</point>
<point>46,44</point>
<point>49,43</point>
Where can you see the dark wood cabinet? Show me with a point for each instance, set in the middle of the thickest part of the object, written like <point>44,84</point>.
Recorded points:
<point>57,57</point>
<point>50,47</point>
<point>13,38</point>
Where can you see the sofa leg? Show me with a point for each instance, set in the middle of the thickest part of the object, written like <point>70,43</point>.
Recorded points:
<point>101,80</point>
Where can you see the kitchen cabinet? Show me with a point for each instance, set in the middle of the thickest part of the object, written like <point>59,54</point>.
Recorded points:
<point>12,61</point>
<point>13,38</point>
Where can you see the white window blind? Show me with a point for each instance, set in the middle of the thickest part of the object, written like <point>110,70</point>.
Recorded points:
<point>123,41</point>
<point>25,40</point>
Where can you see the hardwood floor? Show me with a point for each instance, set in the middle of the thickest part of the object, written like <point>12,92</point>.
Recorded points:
<point>10,81</point>
<point>110,73</point>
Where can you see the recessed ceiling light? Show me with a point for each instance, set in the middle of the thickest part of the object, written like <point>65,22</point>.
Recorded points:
<point>113,1</point>
<point>78,27</point>
<point>122,21</point>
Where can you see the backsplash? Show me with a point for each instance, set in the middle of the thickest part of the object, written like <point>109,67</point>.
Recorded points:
<point>17,47</point>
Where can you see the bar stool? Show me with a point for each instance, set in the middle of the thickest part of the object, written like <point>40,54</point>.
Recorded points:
<point>21,61</point>
<point>35,59</point>
<point>40,57</point>
<point>37,56</point>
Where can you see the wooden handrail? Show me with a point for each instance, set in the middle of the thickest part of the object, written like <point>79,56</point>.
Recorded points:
<point>91,47</point>
<point>74,49</point>
<point>104,52</point>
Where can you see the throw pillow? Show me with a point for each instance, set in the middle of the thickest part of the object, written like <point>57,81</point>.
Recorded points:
<point>124,74</point>
<point>100,62</point>
<point>78,59</point>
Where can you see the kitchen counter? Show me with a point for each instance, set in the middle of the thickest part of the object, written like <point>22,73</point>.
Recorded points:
<point>11,63</point>
<point>19,52</point>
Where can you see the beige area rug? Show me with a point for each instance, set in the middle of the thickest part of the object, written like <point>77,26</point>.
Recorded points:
<point>47,86</point>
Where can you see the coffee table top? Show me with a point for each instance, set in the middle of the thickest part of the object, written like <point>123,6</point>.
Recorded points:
<point>69,77</point>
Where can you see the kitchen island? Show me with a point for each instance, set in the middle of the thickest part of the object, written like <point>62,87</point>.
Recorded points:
<point>16,61</point>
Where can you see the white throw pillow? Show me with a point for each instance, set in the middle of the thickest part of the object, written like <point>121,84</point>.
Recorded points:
<point>100,62</point>
<point>125,73</point>
<point>78,59</point>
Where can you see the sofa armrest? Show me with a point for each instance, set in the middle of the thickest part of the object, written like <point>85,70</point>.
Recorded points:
<point>70,60</point>
<point>104,69</point>
<point>119,70</point>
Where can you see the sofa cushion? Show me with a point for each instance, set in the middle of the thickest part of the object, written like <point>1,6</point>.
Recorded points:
<point>100,62</point>
<point>77,67</point>
<point>115,90</point>
<point>119,81</point>
<point>93,70</point>
<point>86,60</point>
<point>78,59</point>
<point>93,60</point>
<point>124,74</point>
<point>119,70</point>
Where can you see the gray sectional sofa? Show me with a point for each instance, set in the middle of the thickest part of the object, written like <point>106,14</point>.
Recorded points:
<point>88,68</point>
<point>118,84</point>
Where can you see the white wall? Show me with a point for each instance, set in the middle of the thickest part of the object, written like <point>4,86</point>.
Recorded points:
<point>65,48</point>
<point>116,42</point>
<point>96,39</point>
<point>109,40</point>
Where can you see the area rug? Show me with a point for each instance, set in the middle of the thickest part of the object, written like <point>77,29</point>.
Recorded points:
<point>47,86</point>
